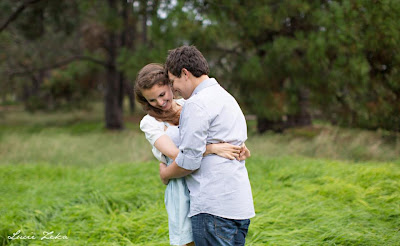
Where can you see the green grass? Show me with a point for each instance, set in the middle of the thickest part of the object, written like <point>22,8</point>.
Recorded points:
<point>63,147</point>
<point>298,201</point>
<point>119,204</point>
<point>314,202</point>
<point>324,141</point>
<point>312,186</point>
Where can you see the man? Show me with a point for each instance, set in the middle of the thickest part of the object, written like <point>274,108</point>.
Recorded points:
<point>221,203</point>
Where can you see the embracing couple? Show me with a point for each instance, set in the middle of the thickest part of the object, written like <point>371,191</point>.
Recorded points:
<point>200,141</point>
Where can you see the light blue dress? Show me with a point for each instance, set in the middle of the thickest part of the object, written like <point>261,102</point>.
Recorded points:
<point>177,201</point>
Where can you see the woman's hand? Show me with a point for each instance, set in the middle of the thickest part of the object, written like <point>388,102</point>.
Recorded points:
<point>225,150</point>
<point>244,153</point>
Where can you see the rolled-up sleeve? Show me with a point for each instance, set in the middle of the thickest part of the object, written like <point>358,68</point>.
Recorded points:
<point>193,129</point>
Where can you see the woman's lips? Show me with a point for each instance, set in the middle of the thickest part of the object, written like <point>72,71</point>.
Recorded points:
<point>164,105</point>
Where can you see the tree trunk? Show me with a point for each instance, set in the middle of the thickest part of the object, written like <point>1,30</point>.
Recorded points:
<point>129,91</point>
<point>126,40</point>
<point>144,22</point>
<point>304,117</point>
<point>113,109</point>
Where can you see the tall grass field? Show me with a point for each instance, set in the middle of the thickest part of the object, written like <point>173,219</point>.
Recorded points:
<point>64,180</point>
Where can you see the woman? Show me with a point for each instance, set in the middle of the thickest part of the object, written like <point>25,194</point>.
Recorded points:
<point>154,93</point>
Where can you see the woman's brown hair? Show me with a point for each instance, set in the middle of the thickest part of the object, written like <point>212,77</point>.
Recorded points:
<point>150,75</point>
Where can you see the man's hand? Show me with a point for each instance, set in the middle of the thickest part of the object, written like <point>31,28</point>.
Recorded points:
<point>163,166</point>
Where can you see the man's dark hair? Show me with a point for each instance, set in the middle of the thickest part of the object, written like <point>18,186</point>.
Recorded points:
<point>188,57</point>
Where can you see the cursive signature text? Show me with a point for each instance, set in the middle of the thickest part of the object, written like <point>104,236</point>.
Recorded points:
<point>49,235</point>
<point>46,235</point>
<point>16,235</point>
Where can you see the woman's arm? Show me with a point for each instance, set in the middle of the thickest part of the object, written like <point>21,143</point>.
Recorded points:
<point>228,151</point>
<point>166,146</point>
<point>244,153</point>
<point>153,130</point>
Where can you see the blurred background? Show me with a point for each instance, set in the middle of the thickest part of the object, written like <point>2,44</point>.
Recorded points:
<point>318,82</point>
<point>290,64</point>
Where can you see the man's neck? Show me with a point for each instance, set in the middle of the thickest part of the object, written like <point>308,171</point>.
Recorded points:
<point>200,79</point>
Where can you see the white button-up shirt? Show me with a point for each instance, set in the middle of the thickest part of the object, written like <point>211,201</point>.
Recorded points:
<point>219,186</point>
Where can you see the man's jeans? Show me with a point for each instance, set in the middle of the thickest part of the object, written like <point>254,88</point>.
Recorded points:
<point>214,231</point>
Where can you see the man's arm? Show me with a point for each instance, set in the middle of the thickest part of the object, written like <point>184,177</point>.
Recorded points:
<point>172,171</point>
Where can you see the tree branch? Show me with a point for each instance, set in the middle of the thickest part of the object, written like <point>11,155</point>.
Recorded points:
<point>17,12</point>
<point>59,64</point>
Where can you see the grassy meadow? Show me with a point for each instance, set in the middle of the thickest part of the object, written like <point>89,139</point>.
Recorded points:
<point>63,173</point>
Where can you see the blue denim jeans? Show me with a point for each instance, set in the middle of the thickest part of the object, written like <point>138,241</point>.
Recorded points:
<point>214,231</point>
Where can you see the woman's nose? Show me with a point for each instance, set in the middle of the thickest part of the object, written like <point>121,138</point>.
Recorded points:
<point>160,101</point>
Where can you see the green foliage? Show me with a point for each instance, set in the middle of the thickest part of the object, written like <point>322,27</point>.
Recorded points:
<point>362,65</point>
<point>343,53</point>
<point>132,61</point>
<point>67,88</point>
<point>45,17</point>
<point>336,60</point>
<point>163,34</point>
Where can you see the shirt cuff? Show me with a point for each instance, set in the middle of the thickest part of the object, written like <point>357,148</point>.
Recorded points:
<point>187,162</point>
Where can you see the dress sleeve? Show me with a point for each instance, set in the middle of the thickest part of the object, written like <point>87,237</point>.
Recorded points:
<point>153,129</point>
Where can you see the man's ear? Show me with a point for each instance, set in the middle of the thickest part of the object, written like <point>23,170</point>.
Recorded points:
<point>185,72</point>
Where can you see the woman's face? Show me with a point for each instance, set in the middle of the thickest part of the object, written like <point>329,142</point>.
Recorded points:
<point>159,96</point>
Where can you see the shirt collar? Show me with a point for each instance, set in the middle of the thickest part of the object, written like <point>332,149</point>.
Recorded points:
<point>206,83</point>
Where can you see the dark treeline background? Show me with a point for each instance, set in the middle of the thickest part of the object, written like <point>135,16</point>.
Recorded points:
<point>287,62</point>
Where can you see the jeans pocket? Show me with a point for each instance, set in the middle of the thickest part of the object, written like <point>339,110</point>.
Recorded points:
<point>225,229</point>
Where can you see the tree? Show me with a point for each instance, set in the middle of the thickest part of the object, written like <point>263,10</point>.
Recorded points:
<point>26,60</point>
<point>16,13</point>
<point>364,70</point>
<point>288,60</point>
<point>53,31</point>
